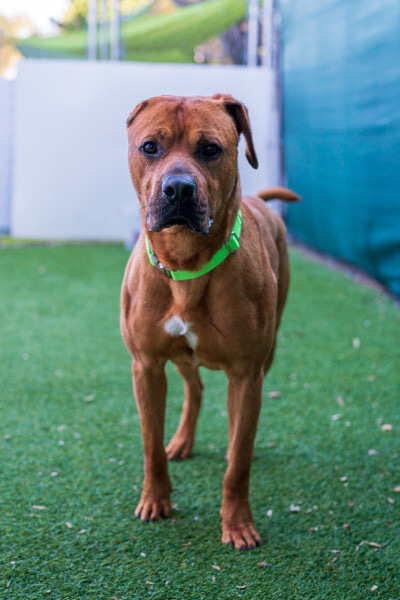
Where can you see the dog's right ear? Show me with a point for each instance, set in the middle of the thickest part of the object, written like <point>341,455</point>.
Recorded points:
<point>138,109</point>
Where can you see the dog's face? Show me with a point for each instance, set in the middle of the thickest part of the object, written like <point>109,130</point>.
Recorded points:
<point>183,158</point>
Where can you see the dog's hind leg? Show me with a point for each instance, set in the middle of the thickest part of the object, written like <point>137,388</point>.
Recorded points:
<point>181,443</point>
<point>283,285</point>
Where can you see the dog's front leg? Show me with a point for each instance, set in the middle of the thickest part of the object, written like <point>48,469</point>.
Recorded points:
<point>150,387</point>
<point>244,402</point>
<point>181,444</point>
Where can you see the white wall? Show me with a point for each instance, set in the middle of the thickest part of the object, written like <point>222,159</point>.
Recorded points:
<point>71,179</point>
<point>6,124</point>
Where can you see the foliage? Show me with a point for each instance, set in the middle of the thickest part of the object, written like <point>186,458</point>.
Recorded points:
<point>9,30</point>
<point>76,14</point>
<point>163,37</point>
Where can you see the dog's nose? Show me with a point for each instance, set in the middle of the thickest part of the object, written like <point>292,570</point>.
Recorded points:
<point>178,188</point>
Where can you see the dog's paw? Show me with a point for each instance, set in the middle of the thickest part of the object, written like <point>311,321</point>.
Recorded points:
<point>179,448</point>
<point>241,537</point>
<point>150,509</point>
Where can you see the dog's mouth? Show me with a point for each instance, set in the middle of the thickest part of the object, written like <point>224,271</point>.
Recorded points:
<point>197,222</point>
<point>179,220</point>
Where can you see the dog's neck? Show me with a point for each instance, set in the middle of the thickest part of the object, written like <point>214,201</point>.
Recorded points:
<point>177,248</point>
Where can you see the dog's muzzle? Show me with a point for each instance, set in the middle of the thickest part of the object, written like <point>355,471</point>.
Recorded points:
<point>179,205</point>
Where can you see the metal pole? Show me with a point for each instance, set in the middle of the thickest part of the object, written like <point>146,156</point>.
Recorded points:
<point>252,33</point>
<point>115,55</point>
<point>267,27</point>
<point>103,31</point>
<point>92,30</point>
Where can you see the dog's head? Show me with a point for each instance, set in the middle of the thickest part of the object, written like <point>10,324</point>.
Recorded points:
<point>183,158</point>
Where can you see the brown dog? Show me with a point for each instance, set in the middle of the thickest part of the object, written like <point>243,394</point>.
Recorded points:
<point>178,305</point>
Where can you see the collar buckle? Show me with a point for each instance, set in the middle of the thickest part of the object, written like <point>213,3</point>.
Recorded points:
<point>232,243</point>
<point>160,266</point>
<point>155,262</point>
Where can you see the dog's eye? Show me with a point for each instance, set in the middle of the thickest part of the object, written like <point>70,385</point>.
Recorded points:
<point>210,151</point>
<point>149,148</point>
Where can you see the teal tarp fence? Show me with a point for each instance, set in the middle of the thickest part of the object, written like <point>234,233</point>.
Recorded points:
<point>341,120</point>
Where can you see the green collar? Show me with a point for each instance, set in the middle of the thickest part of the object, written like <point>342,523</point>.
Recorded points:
<point>231,245</point>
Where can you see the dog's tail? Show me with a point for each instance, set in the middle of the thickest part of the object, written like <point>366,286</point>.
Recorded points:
<point>279,193</point>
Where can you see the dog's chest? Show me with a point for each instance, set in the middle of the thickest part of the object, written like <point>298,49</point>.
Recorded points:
<point>212,322</point>
<point>176,327</point>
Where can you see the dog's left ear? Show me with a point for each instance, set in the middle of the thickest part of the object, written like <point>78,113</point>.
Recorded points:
<point>240,116</point>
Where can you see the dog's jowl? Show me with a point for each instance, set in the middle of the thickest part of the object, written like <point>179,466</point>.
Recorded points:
<point>205,285</point>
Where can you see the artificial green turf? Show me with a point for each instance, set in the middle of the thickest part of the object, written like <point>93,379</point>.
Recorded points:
<point>67,408</point>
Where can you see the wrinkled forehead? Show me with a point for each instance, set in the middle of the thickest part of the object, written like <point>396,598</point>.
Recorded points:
<point>184,118</point>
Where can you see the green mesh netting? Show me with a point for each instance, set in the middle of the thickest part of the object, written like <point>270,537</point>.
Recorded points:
<point>341,78</point>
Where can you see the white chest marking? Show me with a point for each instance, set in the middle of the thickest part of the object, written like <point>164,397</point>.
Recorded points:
<point>176,327</point>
